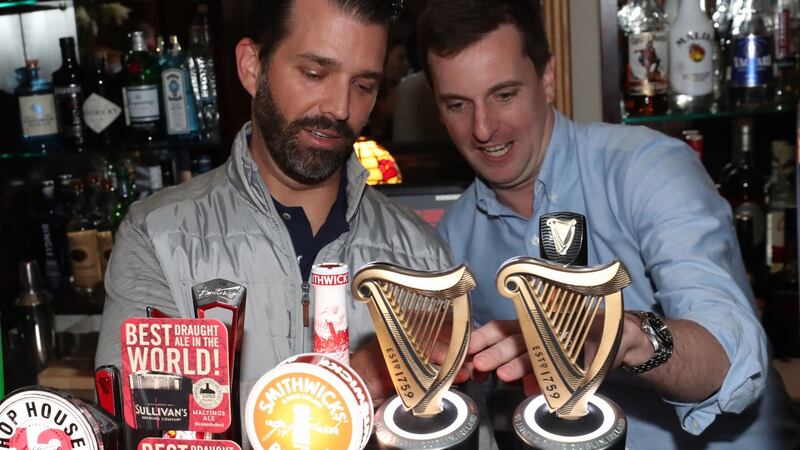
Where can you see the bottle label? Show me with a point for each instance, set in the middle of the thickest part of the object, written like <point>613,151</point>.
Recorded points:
<point>38,115</point>
<point>691,63</point>
<point>649,68</point>
<point>783,35</point>
<point>99,112</point>
<point>105,243</point>
<point>141,104</point>
<point>776,240</point>
<point>752,61</point>
<point>174,88</point>
<point>84,256</point>
<point>68,104</point>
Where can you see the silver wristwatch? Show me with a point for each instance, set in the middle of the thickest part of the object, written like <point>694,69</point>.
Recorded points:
<point>660,337</point>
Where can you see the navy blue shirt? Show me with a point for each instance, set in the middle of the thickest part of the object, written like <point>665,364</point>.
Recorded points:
<point>306,245</point>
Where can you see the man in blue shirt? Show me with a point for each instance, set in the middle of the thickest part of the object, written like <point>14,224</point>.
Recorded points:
<point>648,201</point>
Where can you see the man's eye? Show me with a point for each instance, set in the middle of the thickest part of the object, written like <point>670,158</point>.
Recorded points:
<point>311,75</point>
<point>506,95</point>
<point>455,106</point>
<point>369,88</point>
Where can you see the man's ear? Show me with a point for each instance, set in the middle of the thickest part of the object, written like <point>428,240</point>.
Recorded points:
<point>549,80</point>
<point>248,65</point>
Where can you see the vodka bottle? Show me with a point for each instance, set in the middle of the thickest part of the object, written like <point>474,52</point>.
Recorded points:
<point>204,82</point>
<point>752,53</point>
<point>691,58</point>
<point>646,57</point>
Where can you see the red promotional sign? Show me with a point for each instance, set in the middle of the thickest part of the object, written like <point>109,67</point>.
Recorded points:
<point>186,444</point>
<point>175,374</point>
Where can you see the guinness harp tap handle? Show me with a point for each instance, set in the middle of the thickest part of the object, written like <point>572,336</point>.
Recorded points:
<point>225,300</point>
<point>562,237</point>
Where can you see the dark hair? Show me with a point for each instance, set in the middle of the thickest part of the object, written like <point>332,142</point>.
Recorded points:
<point>269,19</point>
<point>447,27</point>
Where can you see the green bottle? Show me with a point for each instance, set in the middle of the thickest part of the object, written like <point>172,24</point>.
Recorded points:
<point>141,92</point>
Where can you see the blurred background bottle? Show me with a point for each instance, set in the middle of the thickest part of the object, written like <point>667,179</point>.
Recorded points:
<point>82,240</point>
<point>180,107</point>
<point>102,109</point>
<point>141,92</point>
<point>645,56</point>
<point>34,317</point>
<point>752,56</point>
<point>37,110</point>
<point>204,81</point>
<point>50,236</point>
<point>68,90</point>
<point>691,58</point>
<point>785,37</point>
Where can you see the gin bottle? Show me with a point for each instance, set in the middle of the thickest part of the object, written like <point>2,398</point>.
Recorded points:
<point>204,82</point>
<point>179,102</point>
<point>141,92</point>
<point>37,109</point>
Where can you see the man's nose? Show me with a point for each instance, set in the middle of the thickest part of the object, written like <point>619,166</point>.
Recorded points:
<point>484,124</point>
<point>336,103</point>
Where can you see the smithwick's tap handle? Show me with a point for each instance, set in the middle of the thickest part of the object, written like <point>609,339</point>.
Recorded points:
<point>225,300</point>
<point>562,237</point>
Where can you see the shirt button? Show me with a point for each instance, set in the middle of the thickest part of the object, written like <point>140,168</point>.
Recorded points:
<point>535,241</point>
<point>286,216</point>
<point>554,198</point>
<point>299,258</point>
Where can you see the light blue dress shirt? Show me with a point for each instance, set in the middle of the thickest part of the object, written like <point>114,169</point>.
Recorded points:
<point>649,202</point>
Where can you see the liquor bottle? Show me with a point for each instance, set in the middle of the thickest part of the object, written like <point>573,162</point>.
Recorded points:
<point>105,229</point>
<point>50,221</point>
<point>180,107</point>
<point>744,190</point>
<point>35,319</point>
<point>781,207</point>
<point>646,62</point>
<point>204,81</point>
<point>751,72</point>
<point>784,22</point>
<point>102,109</point>
<point>141,92</point>
<point>167,170</point>
<point>37,108</point>
<point>691,58</point>
<point>125,197</point>
<point>68,89</point>
<point>82,240</point>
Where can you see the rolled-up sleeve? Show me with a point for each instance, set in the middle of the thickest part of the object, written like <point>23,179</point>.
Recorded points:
<point>689,248</point>
<point>134,280</point>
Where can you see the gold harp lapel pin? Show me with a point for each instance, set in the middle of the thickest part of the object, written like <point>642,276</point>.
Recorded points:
<point>408,309</point>
<point>556,307</point>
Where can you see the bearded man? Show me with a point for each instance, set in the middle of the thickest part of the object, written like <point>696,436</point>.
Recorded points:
<point>291,193</point>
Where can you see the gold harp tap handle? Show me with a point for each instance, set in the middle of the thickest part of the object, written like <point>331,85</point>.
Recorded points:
<point>556,307</point>
<point>409,309</point>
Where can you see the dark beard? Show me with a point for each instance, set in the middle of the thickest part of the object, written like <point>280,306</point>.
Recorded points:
<point>305,165</point>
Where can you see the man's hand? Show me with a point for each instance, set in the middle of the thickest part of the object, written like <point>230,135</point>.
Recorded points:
<point>498,346</point>
<point>368,362</point>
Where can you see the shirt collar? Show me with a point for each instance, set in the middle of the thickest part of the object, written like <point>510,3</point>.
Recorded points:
<point>557,171</point>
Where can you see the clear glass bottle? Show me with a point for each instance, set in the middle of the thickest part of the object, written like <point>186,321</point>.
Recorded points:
<point>34,314</point>
<point>37,108</point>
<point>204,81</point>
<point>102,109</point>
<point>83,244</point>
<point>691,58</point>
<point>68,90</point>
<point>781,206</point>
<point>180,108</point>
<point>142,92</point>
<point>752,55</point>
<point>646,61</point>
